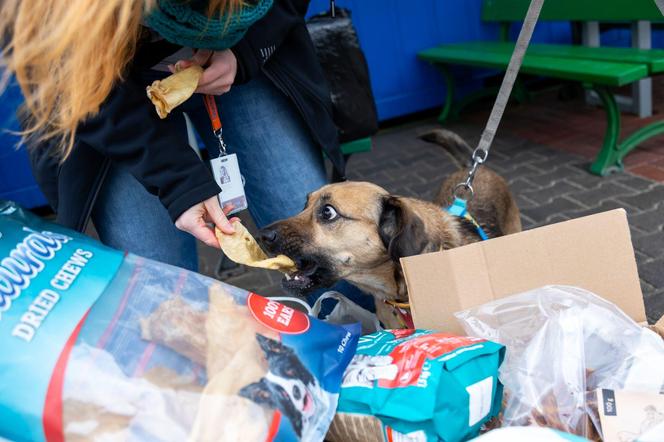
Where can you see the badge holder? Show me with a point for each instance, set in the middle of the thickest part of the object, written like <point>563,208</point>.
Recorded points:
<point>225,167</point>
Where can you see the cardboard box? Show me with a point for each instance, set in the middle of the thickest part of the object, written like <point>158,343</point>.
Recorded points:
<point>629,415</point>
<point>593,252</point>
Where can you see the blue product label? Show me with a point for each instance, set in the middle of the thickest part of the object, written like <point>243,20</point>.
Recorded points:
<point>49,279</point>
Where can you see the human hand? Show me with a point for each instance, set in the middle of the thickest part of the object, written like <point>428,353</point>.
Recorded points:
<point>220,70</point>
<point>195,221</point>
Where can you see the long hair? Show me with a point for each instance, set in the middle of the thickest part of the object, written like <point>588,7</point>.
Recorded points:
<point>67,55</point>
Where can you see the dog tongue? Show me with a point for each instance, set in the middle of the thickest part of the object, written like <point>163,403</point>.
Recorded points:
<point>308,403</point>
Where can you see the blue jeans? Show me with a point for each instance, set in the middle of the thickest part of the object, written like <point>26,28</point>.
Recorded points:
<point>277,156</point>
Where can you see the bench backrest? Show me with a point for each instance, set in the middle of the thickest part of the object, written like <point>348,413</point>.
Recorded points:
<point>576,10</point>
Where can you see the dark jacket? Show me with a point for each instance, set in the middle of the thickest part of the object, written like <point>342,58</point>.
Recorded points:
<point>127,131</point>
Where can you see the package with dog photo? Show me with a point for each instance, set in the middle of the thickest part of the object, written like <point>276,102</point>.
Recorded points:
<point>99,345</point>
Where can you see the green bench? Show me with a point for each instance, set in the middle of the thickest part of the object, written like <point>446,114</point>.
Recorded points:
<point>596,68</point>
<point>356,146</point>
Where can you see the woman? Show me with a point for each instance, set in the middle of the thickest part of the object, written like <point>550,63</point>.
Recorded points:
<point>98,147</point>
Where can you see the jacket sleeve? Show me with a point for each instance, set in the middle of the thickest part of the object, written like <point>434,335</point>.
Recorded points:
<point>265,36</point>
<point>128,131</point>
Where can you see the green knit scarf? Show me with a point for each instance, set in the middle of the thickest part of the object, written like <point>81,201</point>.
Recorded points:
<point>185,22</point>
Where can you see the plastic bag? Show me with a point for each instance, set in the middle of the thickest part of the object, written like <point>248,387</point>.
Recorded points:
<point>528,434</point>
<point>418,385</point>
<point>563,342</point>
<point>102,346</point>
<point>347,312</point>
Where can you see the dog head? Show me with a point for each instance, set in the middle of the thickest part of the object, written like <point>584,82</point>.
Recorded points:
<point>363,370</point>
<point>288,386</point>
<point>352,230</point>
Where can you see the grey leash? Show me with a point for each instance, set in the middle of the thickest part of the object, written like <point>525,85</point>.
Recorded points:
<point>660,5</point>
<point>481,152</point>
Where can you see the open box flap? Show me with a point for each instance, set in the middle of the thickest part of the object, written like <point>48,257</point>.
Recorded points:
<point>658,327</point>
<point>593,252</point>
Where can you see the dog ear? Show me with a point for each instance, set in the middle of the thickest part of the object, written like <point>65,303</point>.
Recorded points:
<point>258,392</point>
<point>272,347</point>
<point>401,230</point>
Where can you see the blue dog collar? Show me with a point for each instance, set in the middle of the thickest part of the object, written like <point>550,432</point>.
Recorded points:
<point>460,208</point>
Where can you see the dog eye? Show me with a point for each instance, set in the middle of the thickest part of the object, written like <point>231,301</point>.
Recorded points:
<point>297,394</point>
<point>328,213</point>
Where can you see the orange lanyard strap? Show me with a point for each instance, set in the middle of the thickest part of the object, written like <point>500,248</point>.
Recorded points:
<point>213,113</point>
<point>211,107</point>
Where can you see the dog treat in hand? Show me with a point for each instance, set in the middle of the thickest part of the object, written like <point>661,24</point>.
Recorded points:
<point>172,91</point>
<point>242,248</point>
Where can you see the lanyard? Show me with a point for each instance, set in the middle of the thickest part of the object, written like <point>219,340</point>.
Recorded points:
<point>215,121</point>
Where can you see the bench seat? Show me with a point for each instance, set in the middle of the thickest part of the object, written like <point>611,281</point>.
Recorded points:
<point>607,73</point>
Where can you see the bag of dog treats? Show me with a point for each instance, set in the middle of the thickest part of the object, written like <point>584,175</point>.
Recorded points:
<point>97,345</point>
<point>418,385</point>
<point>594,345</point>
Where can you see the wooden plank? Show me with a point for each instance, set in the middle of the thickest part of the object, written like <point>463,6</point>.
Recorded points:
<point>653,58</point>
<point>592,71</point>
<point>580,10</point>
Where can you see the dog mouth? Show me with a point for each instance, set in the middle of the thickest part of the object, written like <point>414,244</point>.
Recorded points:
<point>308,404</point>
<point>303,279</point>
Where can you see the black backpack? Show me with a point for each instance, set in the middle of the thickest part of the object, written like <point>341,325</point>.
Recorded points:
<point>338,50</point>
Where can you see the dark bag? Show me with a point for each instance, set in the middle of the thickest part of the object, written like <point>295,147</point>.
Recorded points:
<point>347,74</point>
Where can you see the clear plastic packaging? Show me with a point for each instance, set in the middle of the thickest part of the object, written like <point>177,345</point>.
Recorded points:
<point>563,342</point>
<point>346,311</point>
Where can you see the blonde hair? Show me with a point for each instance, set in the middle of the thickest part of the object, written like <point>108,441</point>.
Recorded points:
<point>67,55</point>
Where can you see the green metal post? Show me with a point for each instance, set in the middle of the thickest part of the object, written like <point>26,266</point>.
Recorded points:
<point>632,142</point>
<point>608,159</point>
<point>449,95</point>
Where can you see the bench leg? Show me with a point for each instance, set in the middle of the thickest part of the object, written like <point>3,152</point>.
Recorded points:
<point>645,133</point>
<point>610,158</point>
<point>519,93</point>
<point>607,160</point>
<point>449,93</point>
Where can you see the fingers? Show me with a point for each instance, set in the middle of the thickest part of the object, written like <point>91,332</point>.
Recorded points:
<point>202,57</point>
<point>217,216</point>
<point>217,87</point>
<point>217,74</point>
<point>196,227</point>
<point>228,208</point>
<point>206,235</point>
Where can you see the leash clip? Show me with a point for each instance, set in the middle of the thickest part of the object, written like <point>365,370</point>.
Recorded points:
<point>464,190</point>
<point>222,143</point>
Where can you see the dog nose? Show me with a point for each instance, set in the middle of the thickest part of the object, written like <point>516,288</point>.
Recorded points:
<point>268,236</point>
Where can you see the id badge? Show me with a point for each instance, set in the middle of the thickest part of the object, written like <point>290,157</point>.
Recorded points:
<point>227,174</point>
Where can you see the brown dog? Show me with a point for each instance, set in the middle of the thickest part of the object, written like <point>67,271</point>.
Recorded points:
<point>357,231</point>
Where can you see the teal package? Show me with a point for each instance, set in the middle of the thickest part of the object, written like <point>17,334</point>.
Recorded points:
<point>49,279</point>
<point>426,385</point>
